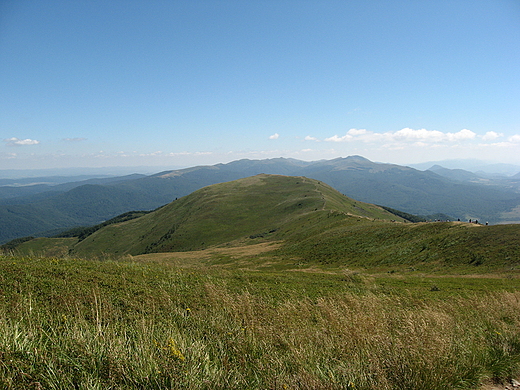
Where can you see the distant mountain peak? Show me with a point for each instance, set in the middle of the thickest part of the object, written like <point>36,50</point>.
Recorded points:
<point>358,158</point>
<point>436,167</point>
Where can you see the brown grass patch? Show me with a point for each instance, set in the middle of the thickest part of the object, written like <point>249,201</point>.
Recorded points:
<point>187,258</point>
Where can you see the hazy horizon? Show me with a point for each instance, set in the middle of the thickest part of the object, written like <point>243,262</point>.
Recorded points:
<point>159,84</point>
<point>472,165</point>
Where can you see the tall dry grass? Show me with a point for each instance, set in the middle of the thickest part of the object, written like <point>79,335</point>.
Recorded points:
<point>378,342</point>
<point>183,330</point>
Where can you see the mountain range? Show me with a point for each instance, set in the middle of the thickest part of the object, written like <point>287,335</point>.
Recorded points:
<point>44,209</point>
<point>484,168</point>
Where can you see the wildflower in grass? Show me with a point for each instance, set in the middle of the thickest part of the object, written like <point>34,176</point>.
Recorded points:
<point>171,349</point>
<point>174,351</point>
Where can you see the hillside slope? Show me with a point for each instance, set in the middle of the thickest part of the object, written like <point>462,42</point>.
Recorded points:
<point>261,205</point>
<point>442,246</point>
<point>311,223</point>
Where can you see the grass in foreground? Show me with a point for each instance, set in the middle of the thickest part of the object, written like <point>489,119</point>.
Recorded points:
<point>67,323</point>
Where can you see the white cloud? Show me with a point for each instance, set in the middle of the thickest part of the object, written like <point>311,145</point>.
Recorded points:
<point>77,139</point>
<point>355,132</point>
<point>310,138</point>
<point>274,136</point>
<point>461,135</point>
<point>408,134</point>
<point>498,144</point>
<point>491,135</point>
<point>336,138</point>
<point>352,135</point>
<point>421,136</point>
<point>20,142</point>
<point>515,138</point>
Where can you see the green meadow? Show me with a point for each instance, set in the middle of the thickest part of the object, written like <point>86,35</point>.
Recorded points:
<point>201,321</point>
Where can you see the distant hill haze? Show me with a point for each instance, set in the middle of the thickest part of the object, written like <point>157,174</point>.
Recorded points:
<point>398,187</point>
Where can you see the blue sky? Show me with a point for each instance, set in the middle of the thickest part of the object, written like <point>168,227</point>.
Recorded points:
<point>181,83</point>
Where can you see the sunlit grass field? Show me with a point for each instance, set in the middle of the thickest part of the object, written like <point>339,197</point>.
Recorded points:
<point>231,319</point>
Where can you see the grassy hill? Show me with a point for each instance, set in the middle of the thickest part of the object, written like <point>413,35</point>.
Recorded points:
<point>258,206</point>
<point>312,222</point>
<point>443,246</point>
